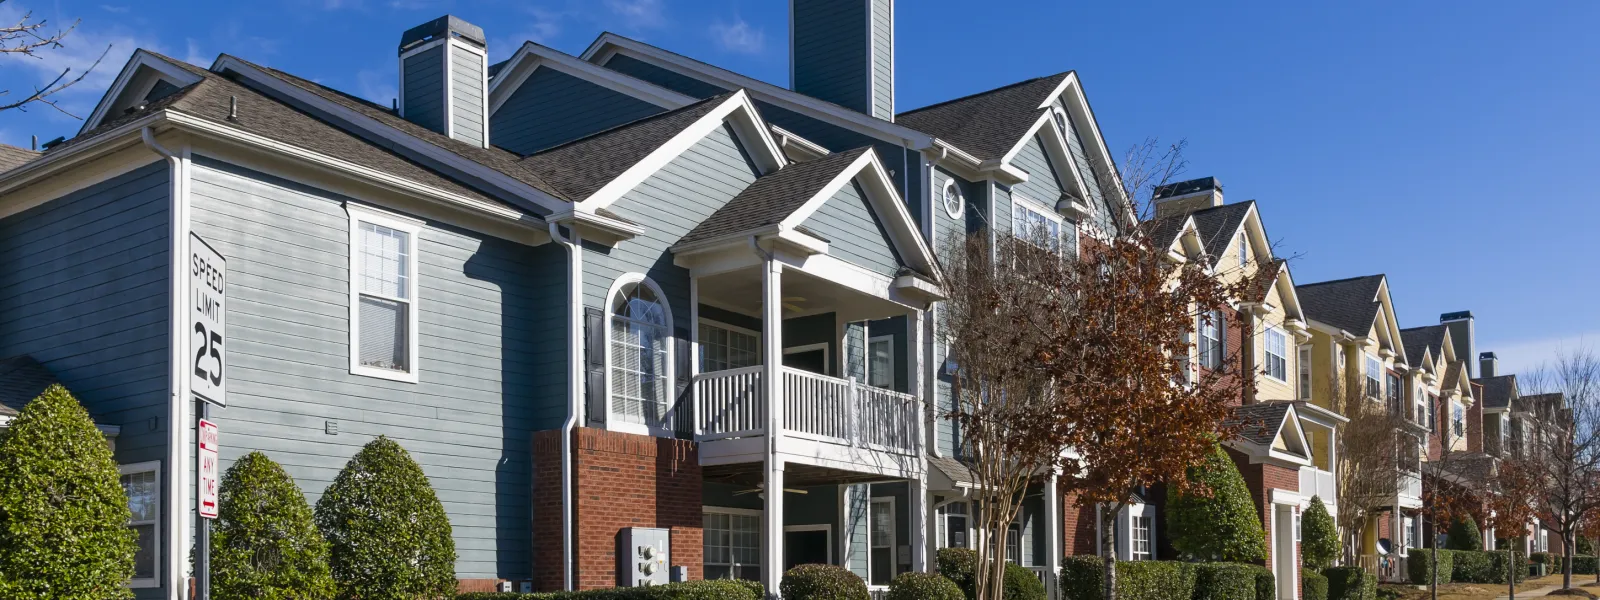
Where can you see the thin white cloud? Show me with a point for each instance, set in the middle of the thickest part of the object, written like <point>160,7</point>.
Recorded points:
<point>1526,355</point>
<point>111,8</point>
<point>639,14</point>
<point>78,52</point>
<point>378,85</point>
<point>542,28</point>
<point>194,55</point>
<point>739,36</point>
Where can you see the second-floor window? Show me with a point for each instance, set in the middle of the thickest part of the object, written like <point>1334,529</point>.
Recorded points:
<point>1036,224</point>
<point>1277,363</point>
<point>880,361</point>
<point>383,295</point>
<point>1243,251</point>
<point>1374,377</point>
<point>640,357</point>
<point>1211,331</point>
<point>1458,420</point>
<point>1392,385</point>
<point>1303,365</point>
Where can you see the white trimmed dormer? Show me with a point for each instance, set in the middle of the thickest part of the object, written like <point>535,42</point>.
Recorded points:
<point>146,78</point>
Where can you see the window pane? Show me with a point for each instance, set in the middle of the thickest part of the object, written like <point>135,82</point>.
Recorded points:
<point>384,261</point>
<point>882,525</point>
<point>723,349</point>
<point>143,497</point>
<point>880,371</point>
<point>384,333</point>
<point>144,559</point>
<point>639,368</point>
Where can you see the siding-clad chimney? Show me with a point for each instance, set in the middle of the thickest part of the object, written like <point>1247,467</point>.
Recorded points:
<point>1186,197</point>
<point>444,79</point>
<point>1462,331</point>
<point>1488,365</point>
<point>842,51</point>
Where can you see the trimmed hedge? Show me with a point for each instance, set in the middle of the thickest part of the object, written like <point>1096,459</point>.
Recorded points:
<point>1581,565</point>
<point>388,536</point>
<point>1468,566</point>
<point>262,513</point>
<point>1022,584</point>
<point>1223,525</point>
<point>1419,567</point>
<point>924,586</point>
<point>1224,581</point>
<point>823,582</point>
<point>1141,580</point>
<point>717,589</point>
<point>1519,567</point>
<point>1351,583</point>
<point>1464,535</point>
<point>63,515</point>
<point>1313,585</point>
<point>958,565</point>
<point>1266,583</point>
<point>1319,545</point>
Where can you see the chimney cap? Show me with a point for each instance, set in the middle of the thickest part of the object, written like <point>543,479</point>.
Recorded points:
<point>1456,316</point>
<point>1487,356</point>
<point>442,26</point>
<point>1184,188</point>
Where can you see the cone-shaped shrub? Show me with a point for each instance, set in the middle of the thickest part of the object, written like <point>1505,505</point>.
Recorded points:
<point>1319,539</point>
<point>63,515</point>
<point>264,545</point>
<point>1464,535</point>
<point>1223,526</point>
<point>388,537</point>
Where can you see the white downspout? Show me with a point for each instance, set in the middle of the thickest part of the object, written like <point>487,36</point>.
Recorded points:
<point>177,506</point>
<point>574,394</point>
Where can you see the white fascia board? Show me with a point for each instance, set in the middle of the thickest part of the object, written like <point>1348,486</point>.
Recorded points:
<point>54,161</point>
<point>903,231</point>
<point>787,139</point>
<point>140,58</point>
<point>445,157</point>
<point>1056,146</point>
<point>609,44</point>
<point>753,133</point>
<point>1072,89</point>
<point>530,57</point>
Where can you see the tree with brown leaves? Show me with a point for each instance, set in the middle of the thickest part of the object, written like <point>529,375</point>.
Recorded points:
<point>1511,507</point>
<point>28,38</point>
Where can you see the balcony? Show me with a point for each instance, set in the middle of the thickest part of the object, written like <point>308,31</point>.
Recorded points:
<point>1320,483</point>
<point>824,417</point>
<point>1410,490</point>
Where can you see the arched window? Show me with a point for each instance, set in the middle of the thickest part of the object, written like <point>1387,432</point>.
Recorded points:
<point>640,355</point>
<point>1060,117</point>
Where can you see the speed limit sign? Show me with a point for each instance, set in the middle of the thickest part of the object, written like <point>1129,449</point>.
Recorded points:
<point>208,330</point>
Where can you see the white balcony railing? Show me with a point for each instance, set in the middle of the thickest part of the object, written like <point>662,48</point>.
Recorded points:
<point>1411,485</point>
<point>730,404</point>
<point>1320,483</point>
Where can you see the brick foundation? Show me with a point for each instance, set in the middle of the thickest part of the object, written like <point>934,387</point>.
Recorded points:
<point>621,480</point>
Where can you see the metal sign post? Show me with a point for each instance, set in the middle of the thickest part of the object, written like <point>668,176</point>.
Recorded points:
<point>208,331</point>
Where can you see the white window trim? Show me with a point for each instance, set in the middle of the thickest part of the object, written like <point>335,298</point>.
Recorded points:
<point>942,520</point>
<point>365,214</point>
<point>803,528</point>
<point>612,423</point>
<point>1060,121</point>
<point>1045,211</point>
<point>1244,250</point>
<point>1376,379</point>
<point>950,188</point>
<point>823,346</point>
<point>1266,350</point>
<point>153,466</point>
<point>742,512</point>
<point>698,346</point>
<point>1219,357</point>
<point>894,536</point>
<point>892,363</point>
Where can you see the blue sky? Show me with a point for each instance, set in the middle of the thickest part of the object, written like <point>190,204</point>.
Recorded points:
<point>1450,146</point>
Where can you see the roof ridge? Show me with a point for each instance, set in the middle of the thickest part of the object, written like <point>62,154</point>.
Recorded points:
<point>1344,280</point>
<point>982,93</point>
<point>638,121</point>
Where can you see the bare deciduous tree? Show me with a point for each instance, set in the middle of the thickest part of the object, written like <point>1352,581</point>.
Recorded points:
<point>1372,460</point>
<point>1559,443</point>
<point>28,39</point>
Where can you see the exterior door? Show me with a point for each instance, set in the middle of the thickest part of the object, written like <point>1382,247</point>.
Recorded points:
<point>806,547</point>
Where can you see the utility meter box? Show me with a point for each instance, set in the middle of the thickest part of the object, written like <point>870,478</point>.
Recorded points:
<point>642,556</point>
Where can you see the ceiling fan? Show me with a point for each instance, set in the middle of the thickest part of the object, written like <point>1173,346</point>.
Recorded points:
<point>792,303</point>
<point>761,487</point>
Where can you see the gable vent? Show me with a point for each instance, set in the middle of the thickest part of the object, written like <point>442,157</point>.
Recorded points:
<point>444,70</point>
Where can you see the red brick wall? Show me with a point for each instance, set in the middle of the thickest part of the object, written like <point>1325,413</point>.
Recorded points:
<point>1475,427</point>
<point>1235,330</point>
<point>1262,479</point>
<point>621,480</point>
<point>1078,526</point>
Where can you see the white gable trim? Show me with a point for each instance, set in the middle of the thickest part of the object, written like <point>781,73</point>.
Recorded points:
<point>444,157</point>
<point>886,204</point>
<point>141,58</point>
<point>611,44</point>
<point>533,56</point>
<point>752,132</point>
<point>1081,117</point>
<point>1060,154</point>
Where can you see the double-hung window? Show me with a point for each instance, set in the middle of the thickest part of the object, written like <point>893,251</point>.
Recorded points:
<point>1277,362</point>
<point>881,533</point>
<point>1014,544</point>
<point>1303,367</point>
<point>732,545</point>
<point>723,348</point>
<point>142,484</point>
<point>1211,331</point>
<point>383,294</point>
<point>955,525</point>
<point>1374,377</point>
<point>1034,223</point>
<point>880,361</point>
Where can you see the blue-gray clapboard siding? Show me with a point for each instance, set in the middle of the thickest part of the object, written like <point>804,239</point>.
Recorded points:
<point>1042,187</point>
<point>830,52</point>
<point>551,108</point>
<point>854,232</point>
<point>673,201</point>
<point>1089,170</point>
<point>857,498</point>
<point>903,165</point>
<point>672,80</point>
<point>466,95</point>
<point>883,59</point>
<point>83,290</point>
<point>491,358</point>
<point>814,329</point>
<point>423,96</point>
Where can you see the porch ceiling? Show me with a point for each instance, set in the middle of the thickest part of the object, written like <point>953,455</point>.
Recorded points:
<point>794,475</point>
<point>803,294</point>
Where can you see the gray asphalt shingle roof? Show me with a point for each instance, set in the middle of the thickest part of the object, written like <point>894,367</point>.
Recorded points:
<point>12,157</point>
<point>1418,340</point>
<point>1349,304</point>
<point>773,197</point>
<point>21,380</point>
<point>1258,423</point>
<point>581,167</point>
<point>987,124</point>
<point>1498,391</point>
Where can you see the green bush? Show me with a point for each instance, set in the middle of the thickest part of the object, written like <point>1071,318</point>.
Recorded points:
<point>823,582</point>
<point>1319,538</point>
<point>387,534</point>
<point>1467,566</point>
<point>957,565</point>
<point>264,544</point>
<point>1539,558</point>
<point>1585,547</point>
<point>1224,581</point>
<point>1419,566</point>
<point>718,589</point>
<point>1266,583</point>
<point>1581,565</point>
<point>1313,586</point>
<point>1351,583</point>
<point>1223,526</point>
<point>1021,584</point>
<point>63,515</point>
<point>1464,535</point>
<point>923,586</point>
<point>1518,567</point>
<point>1141,580</point>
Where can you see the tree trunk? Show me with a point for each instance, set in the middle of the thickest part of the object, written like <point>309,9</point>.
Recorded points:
<point>1511,575</point>
<point>1108,547</point>
<point>1566,563</point>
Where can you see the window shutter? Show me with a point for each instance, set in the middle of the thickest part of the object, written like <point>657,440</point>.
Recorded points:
<point>595,365</point>
<point>683,406</point>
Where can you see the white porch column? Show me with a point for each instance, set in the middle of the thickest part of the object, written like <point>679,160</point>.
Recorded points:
<point>772,359</point>
<point>918,495</point>
<point>1052,528</point>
